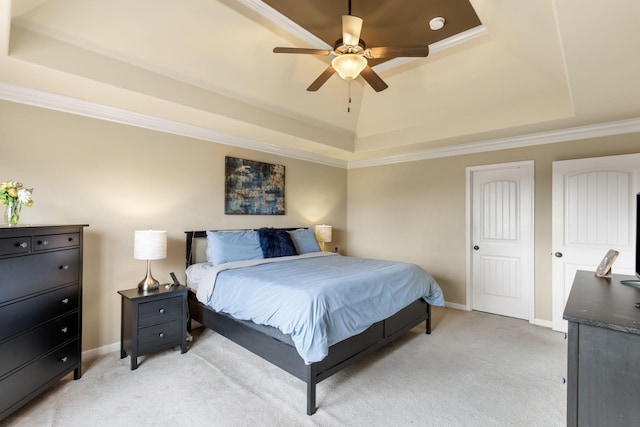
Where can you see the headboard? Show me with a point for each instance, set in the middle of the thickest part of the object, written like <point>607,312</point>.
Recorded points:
<point>191,250</point>
<point>190,247</point>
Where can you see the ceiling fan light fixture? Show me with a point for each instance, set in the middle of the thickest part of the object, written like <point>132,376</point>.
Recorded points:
<point>349,65</point>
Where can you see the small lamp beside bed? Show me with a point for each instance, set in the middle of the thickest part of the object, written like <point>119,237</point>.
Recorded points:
<point>323,234</point>
<point>148,245</point>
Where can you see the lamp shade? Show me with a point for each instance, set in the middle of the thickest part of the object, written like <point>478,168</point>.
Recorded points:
<point>323,233</point>
<point>349,65</point>
<point>150,244</point>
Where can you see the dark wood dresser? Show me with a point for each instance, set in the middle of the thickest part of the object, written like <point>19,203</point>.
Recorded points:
<point>40,310</point>
<point>603,377</point>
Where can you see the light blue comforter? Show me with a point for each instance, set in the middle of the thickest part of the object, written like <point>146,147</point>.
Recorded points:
<point>319,300</point>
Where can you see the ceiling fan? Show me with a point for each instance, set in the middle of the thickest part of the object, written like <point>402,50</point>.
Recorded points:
<point>350,55</point>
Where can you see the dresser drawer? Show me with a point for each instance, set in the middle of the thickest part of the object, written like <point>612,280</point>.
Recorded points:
<point>26,347</point>
<point>22,315</point>
<point>161,310</point>
<point>23,382</point>
<point>55,241</point>
<point>26,275</point>
<point>15,245</point>
<point>156,337</point>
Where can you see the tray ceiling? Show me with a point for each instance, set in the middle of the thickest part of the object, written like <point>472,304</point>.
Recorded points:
<point>499,70</point>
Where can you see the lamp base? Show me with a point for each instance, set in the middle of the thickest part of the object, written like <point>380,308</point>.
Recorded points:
<point>148,283</point>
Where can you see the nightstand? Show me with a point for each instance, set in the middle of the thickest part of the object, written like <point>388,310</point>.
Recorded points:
<point>152,321</point>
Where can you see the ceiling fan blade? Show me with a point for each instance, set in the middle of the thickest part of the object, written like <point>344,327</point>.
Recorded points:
<point>373,79</point>
<point>302,50</point>
<point>396,52</point>
<point>351,28</point>
<point>322,78</point>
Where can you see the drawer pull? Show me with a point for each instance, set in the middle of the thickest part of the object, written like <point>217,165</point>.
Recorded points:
<point>43,242</point>
<point>161,311</point>
<point>64,330</point>
<point>64,359</point>
<point>65,301</point>
<point>64,267</point>
<point>71,239</point>
<point>22,244</point>
<point>161,334</point>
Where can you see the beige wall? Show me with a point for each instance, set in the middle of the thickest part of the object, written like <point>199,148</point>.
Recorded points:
<point>416,211</point>
<point>119,178</point>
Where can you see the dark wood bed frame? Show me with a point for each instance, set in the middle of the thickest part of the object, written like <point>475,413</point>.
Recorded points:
<point>285,355</point>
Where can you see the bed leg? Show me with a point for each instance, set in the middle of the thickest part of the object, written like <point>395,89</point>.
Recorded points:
<point>428,318</point>
<point>311,389</point>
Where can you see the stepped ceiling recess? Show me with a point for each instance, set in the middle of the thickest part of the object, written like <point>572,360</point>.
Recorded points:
<point>500,73</point>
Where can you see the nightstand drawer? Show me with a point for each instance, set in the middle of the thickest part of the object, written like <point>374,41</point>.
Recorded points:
<point>157,337</point>
<point>55,241</point>
<point>25,275</point>
<point>24,348</point>
<point>25,314</point>
<point>161,310</point>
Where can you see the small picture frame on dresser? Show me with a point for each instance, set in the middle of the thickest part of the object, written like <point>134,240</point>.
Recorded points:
<point>604,268</point>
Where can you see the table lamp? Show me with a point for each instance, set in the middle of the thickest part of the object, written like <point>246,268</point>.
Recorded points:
<point>323,234</point>
<point>148,245</point>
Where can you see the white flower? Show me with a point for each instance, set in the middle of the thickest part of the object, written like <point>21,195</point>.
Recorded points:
<point>24,196</point>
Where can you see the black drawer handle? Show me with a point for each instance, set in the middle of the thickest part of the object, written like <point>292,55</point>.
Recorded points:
<point>161,334</point>
<point>65,301</point>
<point>64,267</point>
<point>64,359</point>
<point>71,239</point>
<point>43,242</point>
<point>22,244</point>
<point>161,311</point>
<point>64,330</point>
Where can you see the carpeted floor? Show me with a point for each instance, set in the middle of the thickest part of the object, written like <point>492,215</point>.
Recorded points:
<point>475,369</point>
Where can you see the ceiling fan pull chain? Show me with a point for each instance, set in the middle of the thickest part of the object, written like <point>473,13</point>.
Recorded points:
<point>349,103</point>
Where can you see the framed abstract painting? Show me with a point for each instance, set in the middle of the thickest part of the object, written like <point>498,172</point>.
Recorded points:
<point>253,188</point>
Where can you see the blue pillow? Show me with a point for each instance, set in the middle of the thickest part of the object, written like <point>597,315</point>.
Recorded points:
<point>228,246</point>
<point>304,240</point>
<point>276,243</point>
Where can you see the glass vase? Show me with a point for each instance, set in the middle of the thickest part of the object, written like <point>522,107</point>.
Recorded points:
<point>12,213</point>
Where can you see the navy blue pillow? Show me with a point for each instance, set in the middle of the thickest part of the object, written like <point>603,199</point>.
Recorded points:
<point>276,243</point>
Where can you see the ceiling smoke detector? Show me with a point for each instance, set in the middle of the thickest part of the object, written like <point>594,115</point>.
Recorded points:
<point>436,23</point>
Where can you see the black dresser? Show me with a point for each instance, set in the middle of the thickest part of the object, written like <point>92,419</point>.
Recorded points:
<point>40,310</point>
<point>603,377</point>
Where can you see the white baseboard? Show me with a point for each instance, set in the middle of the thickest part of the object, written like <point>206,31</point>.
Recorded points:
<point>101,351</point>
<point>537,322</point>
<point>545,323</point>
<point>456,306</point>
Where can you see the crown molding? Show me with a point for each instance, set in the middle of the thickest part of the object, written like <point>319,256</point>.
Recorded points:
<point>551,137</point>
<point>436,47</point>
<point>66,104</point>
<point>266,11</point>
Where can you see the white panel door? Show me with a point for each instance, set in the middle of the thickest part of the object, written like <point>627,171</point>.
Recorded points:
<point>502,239</point>
<point>593,211</point>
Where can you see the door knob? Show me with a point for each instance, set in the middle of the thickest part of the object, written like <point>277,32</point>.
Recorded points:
<point>476,247</point>
<point>558,254</point>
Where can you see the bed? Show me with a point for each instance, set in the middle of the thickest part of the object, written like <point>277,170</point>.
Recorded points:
<point>330,330</point>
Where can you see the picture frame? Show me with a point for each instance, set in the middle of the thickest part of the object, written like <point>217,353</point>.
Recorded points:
<point>604,268</point>
<point>253,188</point>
